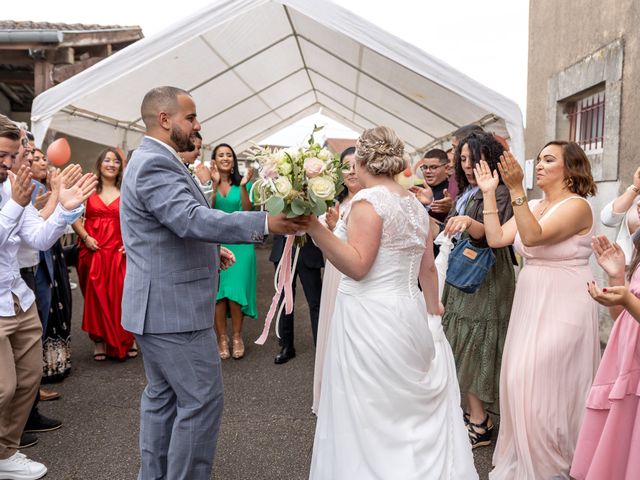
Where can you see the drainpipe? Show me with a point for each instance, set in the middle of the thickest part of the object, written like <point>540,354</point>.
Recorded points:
<point>31,36</point>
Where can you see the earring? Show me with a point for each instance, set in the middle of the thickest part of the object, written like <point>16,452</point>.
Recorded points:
<point>231,169</point>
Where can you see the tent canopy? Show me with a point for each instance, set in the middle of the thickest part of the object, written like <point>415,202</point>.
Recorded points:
<point>254,67</point>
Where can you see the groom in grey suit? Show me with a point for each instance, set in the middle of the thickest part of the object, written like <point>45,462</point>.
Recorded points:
<point>170,235</point>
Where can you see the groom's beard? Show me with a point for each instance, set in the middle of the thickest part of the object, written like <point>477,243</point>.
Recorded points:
<point>183,141</point>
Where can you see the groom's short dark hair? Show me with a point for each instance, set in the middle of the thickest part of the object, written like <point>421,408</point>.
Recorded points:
<point>159,99</point>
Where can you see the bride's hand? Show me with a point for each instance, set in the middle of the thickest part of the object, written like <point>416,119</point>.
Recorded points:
<point>314,224</point>
<point>439,311</point>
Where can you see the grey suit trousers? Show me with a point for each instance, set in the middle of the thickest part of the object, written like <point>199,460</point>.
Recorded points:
<point>181,406</point>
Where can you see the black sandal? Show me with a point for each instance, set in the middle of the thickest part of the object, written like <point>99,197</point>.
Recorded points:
<point>99,357</point>
<point>132,352</point>
<point>480,434</point>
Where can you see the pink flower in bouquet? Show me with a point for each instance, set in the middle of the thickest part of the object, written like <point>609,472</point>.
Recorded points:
<point>269,170</point>
<point>313,167</point>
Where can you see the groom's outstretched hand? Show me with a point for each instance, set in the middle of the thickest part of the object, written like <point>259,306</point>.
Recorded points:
<point>280,224</point>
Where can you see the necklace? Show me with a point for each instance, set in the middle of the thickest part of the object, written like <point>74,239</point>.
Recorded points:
<point>540,213</point>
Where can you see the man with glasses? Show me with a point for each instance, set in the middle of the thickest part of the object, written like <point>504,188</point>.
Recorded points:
<point>436,171</point>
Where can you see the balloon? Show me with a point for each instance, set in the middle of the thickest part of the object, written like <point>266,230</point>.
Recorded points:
<point>59,152</point>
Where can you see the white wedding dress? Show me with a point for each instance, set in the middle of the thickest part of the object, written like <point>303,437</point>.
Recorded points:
<point>390,403</point>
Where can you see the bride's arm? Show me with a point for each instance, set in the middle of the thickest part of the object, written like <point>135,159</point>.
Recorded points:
<point>354,257</point>
<point>429,280</point>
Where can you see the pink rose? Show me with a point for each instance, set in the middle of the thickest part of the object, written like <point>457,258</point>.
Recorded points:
<point>313,167</point>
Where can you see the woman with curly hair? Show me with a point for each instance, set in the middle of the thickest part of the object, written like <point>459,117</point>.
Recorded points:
<point>476,323</point>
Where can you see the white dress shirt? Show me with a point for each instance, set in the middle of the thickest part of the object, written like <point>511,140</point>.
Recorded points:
<point>27,256</point>
<point>24,225</point>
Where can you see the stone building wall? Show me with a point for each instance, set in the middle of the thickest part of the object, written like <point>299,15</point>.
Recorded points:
<point>576,46</point>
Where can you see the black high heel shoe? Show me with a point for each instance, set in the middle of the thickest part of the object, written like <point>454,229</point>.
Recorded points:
<point>480,433</point>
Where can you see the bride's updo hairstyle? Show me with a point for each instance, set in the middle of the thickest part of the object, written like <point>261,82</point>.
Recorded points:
<point>380,151</point>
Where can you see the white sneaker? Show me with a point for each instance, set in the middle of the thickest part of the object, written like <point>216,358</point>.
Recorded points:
<point>73,285</point>
<point>20,467</point>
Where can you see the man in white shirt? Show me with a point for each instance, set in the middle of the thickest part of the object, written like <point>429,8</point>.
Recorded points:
<point>20,327</point>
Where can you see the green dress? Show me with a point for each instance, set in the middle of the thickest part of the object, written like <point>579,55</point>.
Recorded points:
<point>238,282</point>
<point>476,323</point>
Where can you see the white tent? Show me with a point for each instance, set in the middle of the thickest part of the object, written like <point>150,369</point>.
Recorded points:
<point>254,67</point>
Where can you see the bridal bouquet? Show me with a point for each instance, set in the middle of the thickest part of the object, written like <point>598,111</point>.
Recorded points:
<point>293,181</point>
<point>296,181</point>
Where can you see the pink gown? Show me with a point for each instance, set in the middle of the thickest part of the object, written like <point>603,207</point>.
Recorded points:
<point>550,357</point>
<point>609,440</point>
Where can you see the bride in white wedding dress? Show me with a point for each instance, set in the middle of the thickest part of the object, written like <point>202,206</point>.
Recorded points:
<point>390,403</point>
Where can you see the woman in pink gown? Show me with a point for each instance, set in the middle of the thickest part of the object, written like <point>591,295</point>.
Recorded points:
<point>552,350</point>
<point>609,440</point>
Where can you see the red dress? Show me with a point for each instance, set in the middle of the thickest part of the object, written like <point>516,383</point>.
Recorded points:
<point>101,275</point>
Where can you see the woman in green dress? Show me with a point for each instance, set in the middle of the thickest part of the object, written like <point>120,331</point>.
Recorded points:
<point>237,287</point>
<point>476,323</point>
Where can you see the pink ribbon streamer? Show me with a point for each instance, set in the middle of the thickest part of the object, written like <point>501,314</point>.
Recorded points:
<point>284,282</point>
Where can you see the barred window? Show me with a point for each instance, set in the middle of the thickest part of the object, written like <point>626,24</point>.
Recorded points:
<point>586,122</point>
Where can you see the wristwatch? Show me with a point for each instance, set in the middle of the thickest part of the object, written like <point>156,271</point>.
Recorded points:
<point>518,201</point>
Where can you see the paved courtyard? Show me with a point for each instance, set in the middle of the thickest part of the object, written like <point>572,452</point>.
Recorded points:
<point>267,427</point>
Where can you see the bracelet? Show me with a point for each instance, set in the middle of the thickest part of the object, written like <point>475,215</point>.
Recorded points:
<point>84,238</point>
<point>634,188</point>
<point>489,212</point>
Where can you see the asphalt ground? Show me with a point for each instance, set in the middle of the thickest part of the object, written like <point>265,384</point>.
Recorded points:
<point>267,427</point>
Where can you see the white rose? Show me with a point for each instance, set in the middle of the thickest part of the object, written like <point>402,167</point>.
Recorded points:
<point>283,187</point>
<point>324,155</point>
<point>322,187</point>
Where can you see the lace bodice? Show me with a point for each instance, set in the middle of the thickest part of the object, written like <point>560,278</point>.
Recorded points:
<point>405,226</point>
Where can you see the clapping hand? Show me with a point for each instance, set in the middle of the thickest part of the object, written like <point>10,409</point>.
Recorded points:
<point>423,194</point>
<point>67,178</point>
<point>332,216</point>
<point>202,172</point>
<point>227,258</point>
<point>74,196</point>
<point>486,179</point>
<point>21,186</point>
<point>511,171</point>
<point>215,174</point>
<point>609,256</point>
<point>41,199</point>
<point>248,174</point>
<point>609,296</point>
<point>636,178</point>
<point>444,205</point>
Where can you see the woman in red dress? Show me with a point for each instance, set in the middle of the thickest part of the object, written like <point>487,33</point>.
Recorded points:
<point>101,263</point>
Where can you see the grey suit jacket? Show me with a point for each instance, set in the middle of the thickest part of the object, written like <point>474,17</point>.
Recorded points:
<point>170,236</point>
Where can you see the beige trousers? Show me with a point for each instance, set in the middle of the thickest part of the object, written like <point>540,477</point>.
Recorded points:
<point>20,373</point>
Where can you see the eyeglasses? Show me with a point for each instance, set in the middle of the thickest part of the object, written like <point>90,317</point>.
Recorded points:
<point>432,168</point>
